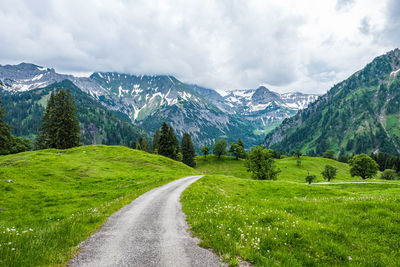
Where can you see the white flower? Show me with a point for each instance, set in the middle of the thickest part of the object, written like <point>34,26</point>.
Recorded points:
<point>350,258</point>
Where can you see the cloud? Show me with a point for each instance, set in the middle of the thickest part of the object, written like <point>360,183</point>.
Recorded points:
<point>365,26</point>
<point>344,4</point>
<point>229,44</point>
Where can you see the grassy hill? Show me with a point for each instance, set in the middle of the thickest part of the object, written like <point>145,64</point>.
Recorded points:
<point>288,166</point>
<point>57,198</point>
<point>289,223</point>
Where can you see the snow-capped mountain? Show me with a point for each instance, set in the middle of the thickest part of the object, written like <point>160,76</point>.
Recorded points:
<point>147,101</point>
<point>264,108</point>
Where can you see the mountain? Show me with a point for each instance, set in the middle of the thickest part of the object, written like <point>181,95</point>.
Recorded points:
<point>151,100</point>
<point>265,108</point>
<point>99,125</point>
<point>148,100</point>
<point>360,114</point>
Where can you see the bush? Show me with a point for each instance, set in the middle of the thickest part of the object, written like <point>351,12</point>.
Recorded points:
<point>389,174</point>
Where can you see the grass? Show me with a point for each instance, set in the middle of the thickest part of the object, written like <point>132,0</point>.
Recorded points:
<point>288,166</point>
<point>59,197</point>
<point>289,223</point>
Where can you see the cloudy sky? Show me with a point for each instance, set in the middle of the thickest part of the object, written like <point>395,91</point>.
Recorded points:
<point>288,45</point>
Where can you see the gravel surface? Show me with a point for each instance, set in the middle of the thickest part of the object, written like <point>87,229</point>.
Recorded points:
<point>150,231</point>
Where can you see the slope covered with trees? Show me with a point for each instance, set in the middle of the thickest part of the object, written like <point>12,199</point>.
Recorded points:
<point>98,124</point>
<point>360,115</point>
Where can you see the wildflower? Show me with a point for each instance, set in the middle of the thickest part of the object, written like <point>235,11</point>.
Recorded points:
<point>350,258</point>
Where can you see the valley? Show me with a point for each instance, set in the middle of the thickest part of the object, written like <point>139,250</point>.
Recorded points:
<point>148,100</point>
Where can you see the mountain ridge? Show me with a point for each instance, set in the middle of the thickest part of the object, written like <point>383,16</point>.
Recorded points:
<point>360,114</point>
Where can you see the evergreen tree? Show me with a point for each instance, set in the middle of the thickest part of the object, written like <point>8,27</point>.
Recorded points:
<point>188,152</point>
<point>60,126</point>
<point>241,143</point>
<point>143,144</point>
<point>175,143</point>
<point>168,143</point>
<point>156,140</point>
<point>5,134</point>
<point>133,145</point>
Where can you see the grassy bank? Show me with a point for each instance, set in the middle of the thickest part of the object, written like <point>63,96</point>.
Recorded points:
<point>293,224</point>
<point>57,198</point>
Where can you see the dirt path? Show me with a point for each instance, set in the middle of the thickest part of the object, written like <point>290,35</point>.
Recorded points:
<point>150,231</point>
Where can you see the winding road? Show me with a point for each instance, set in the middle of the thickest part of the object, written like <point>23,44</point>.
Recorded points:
<point>150,231</point>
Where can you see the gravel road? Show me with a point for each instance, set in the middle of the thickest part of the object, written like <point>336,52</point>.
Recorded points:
<point>150,231</point>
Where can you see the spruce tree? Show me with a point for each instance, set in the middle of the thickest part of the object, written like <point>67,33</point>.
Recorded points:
<point>5,134</point>
<point>60,126</point>
<point>156,140</point>
<point>188,152</point>
<point>168,145</point>
<point>174,142</point>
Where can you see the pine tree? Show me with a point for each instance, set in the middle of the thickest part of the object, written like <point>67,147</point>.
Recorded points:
<point>188,152</point>
<point>60,126</point>
<point>156,140</point>
<point>241,143</point>
<point>174,143</point>
<point>168,145</point>
<point>5,134</point>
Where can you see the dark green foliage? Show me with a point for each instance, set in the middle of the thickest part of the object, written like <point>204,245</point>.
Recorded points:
<point>205,150</point>
<point>241,143</point>
<point>188,152</point>
<point>168,145</point>
<point>344,159</point>
<point>60,126</point>
<point>237,151</point>
<point>156,140</point>
<point>261,164</point>
<point>144,145</point>
<point>5,134</point>
<point>98,124</point>
<point>357,115</point>
<point>389,174</point>
<point>329,154</point>
<point>10,144</point>
<point>133,145</point>
<point>219,148</point>
<point>310,178</point>
<point>298,153</point>
<point>329,172</point>
<point>363,166</point>
<point>298,162</point>
<point>386,161</point>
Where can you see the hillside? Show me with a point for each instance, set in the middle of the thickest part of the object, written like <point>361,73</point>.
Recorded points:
<point>289,223</point>
<point>149,100</point>
<point>99,125</point>
<point>57,198</point>
<point>360,115</point>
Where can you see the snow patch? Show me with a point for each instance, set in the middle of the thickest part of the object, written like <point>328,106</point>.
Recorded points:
<point>37,77</point>
<point>394,72</point>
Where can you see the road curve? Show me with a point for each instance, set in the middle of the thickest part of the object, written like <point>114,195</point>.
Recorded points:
<point>150,231</point>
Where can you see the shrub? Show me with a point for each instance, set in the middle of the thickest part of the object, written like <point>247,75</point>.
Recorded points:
<point>389,174</point>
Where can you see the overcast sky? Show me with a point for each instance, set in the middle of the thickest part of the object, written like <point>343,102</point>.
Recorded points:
<point>289,45</point>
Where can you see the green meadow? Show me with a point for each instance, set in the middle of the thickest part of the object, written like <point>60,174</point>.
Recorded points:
<point>289,223</point>
<point>57,198</point>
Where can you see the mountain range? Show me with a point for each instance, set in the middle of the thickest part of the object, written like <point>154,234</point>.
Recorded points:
<point>148,100</point>
<point>358,115</point>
